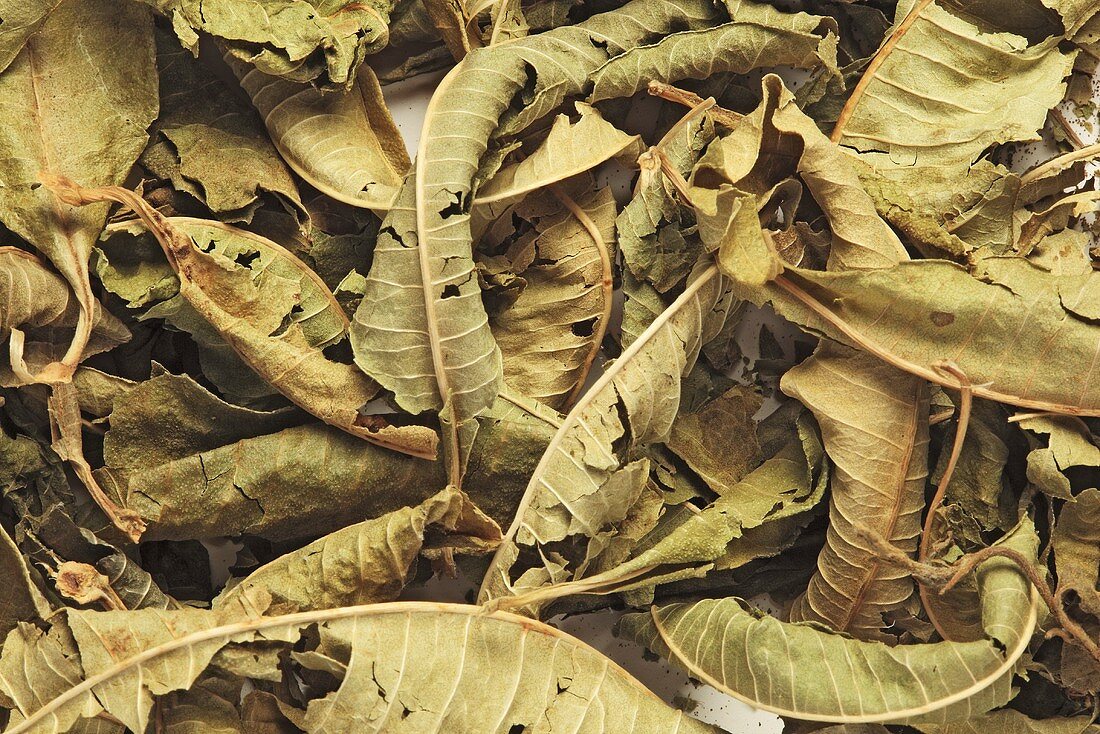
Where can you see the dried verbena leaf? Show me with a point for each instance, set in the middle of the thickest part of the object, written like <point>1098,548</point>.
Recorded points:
<point>318,41</point>
<point>225,295</point>
<point>651,227</point>
<point>1009,721</point>
<point>550,335</point>
<point>343,143</point>
<point>364,563</point>
<point>1076,543</point>
<point>719,442</point>
<point>380,654</point>
<point>824,676</point>
<point>586,482</point>
<point>131,264</point>
<point>570,148</point>
<point>133,584</point>
<point>22,19</point>
<point>978,477</point>
<point>874,422</point>
<point>777,140</point>
<point>196,467</point>
<point>422,300</point>
<point>755,518</point>
<point>87,122</point>
<point>757,36</point>
<point>37,665</point>
<point>210,143</point>
<point>20,599</point>
<point>998,328</point>
<point>42,307</point>
<point>959,88</point>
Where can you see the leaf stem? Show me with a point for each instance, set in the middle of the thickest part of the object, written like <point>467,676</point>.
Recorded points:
<point>966,401</point>
<point>607,287</point>
<point>722,116</point>
<point>1060,162</point>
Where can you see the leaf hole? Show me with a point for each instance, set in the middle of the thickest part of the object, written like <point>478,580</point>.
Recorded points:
<point>584,328</point>
<point>245,259</point>
<point>451,291</point>
<point>460,205</point>
<point>517,729</point>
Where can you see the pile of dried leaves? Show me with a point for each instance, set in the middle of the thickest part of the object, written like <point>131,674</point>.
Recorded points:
<point>236,316</point>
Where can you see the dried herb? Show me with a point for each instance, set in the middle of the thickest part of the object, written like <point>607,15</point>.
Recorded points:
<point>773,327</point>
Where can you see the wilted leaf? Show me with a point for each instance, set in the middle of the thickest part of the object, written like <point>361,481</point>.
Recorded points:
<point>550,336</point>
<point>194,467</point>
<point>153,653</point>
<point>365,563</point>
<point>998,328</point>
<point>757,36</point>
<point>210,143</point>
<point>874,423</point>
<point>343,143</point>
<point>319,41</point>
<point>225,295</point>
<point>824,676</point>
<point>959,88</point>
<point>105,99</point>
<point>589,478</point>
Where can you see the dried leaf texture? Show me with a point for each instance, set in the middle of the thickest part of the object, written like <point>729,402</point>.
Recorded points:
<point>88,122</point>
<point>874,422</point>
<point>445,667</point>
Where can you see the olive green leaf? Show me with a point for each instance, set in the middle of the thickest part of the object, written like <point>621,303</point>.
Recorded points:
<point>210,143</point>
<point>776,141</point>
<point>1009,721</point>
<point>22,19</point>
<point>805,672</point>
<point>487,667</point>
<point>131,264</point>
<point>318,41</point>
<point>998,327</point>
<point>757,36</point>
<point>421,330</point>
<point>364,563</point>
<point>719,442</point>
<point>874,422</point>
<point>20,599</point>
<point>194,466</point>
<point>343,143</point>
<point>653,228</point>
<point>105,100</point>
<point>570,148</point>
<point>756,517</point>
<point>590,476</point>
<point>225,295</point>
<point>550,335</point>
<point>959,88</point>
<point>41,310</point>
<point>1076,543</point>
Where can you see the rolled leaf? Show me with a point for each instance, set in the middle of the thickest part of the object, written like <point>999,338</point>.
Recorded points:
<point>345,144</point>
<point>105,99</point>
<point>224,294</point>
<point>824,676</point>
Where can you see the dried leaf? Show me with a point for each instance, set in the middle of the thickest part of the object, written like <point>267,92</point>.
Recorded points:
<point>105,100</point>
<point>344,144</point>
<point>225,295</point>
<point>824,676</point>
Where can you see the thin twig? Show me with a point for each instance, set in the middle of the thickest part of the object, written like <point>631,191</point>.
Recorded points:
<point>722,116</point>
